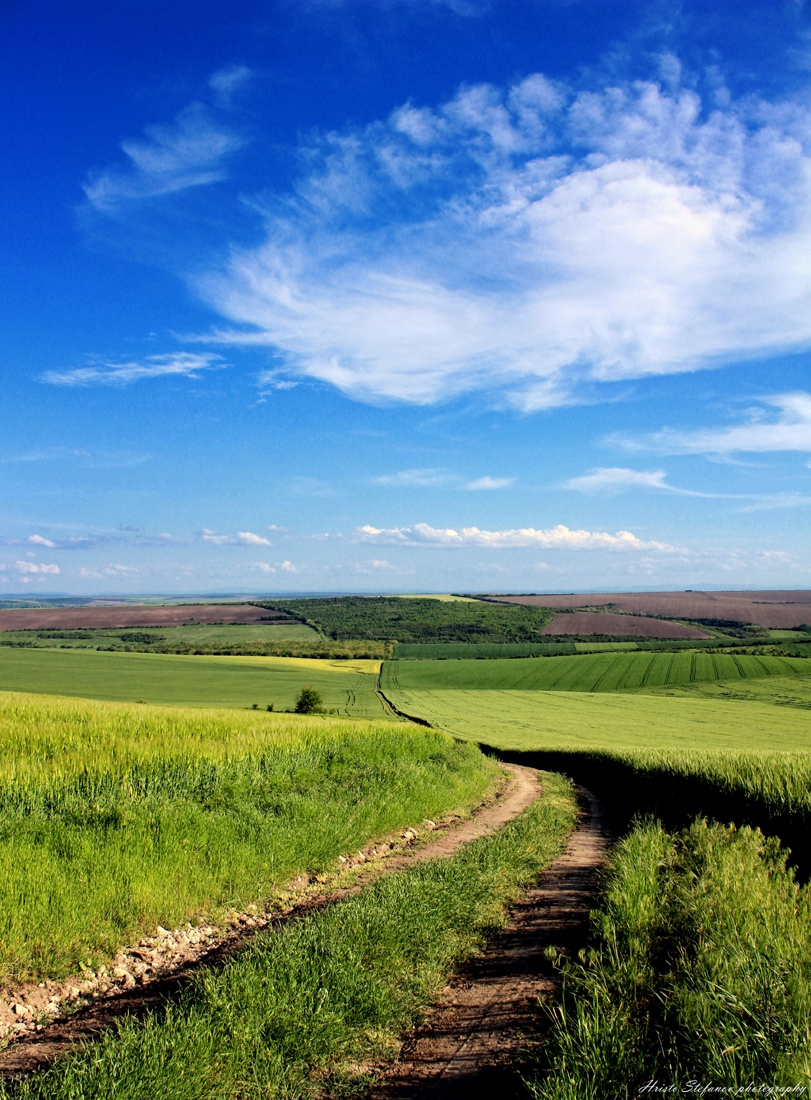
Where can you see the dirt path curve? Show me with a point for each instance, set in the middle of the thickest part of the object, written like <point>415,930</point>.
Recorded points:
<point>41,1047</point>
<point>473,1042</point>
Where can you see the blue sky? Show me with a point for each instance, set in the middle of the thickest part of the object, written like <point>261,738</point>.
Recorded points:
<point>398,295</point>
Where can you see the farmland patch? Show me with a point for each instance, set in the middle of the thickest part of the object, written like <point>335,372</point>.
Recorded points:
<point>595,622</point>
<point>125,615</point>
<point>782,610</point>
<point>345,686</point>
<point>597,672</point>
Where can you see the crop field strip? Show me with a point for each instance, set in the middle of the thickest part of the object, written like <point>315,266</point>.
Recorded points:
<point>598,672</point>
<point>127,616</point>
<point>346,686</point>
<point>592,622</point>
<point>782,610</point>
<point>163,638</point>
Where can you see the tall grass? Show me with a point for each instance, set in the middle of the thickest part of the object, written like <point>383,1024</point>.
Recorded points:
<point>114,819</point>
<point>700,970</point>
<point>767,790</point>
<point>298,1013</point>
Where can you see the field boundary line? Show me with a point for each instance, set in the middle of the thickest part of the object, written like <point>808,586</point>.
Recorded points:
<point>388,703</point>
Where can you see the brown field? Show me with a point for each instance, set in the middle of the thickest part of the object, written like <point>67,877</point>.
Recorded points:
<point>779,610</point>
<point>85,618</point>
<point>598,622</point>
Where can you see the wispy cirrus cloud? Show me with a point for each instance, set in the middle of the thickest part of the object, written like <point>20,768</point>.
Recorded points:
<point>533,241</point>
<point>615,479</point>
<point>440,478</point>
<point>553,538</point>
<point>106,572</point>
<point>176,364</point>
<point>189,152</point>
<point>778,423</point>
<point>419,479</point>
<point>490,483</point>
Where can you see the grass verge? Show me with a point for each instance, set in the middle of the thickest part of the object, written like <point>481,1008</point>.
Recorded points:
<point>303,1008</point>
<point>114,819</point>
<point>699,971</point>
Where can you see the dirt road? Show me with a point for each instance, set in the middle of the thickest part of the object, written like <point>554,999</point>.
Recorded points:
<point>171,972</point>
<point>473,1042</point>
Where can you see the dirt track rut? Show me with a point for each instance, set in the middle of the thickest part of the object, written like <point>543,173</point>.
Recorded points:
<point>474,1040</point>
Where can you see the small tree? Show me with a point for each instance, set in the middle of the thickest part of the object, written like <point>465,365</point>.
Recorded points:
<point>309,701</point>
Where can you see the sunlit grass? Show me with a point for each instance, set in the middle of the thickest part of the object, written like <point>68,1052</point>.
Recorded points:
<point>116,818</point>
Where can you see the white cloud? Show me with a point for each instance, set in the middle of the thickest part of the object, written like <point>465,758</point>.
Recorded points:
<point>38,540</point>
<point>555,538</point>
<point>219,540</point>
<point>243,538</point>
<point>263,567</point>
<point>188,153</point>
<point>250,539</point>
<point>613,479</point>
<point>186,364</point>
<point>416,478</point>
<point>288,567</point>
<point>534,241</point>
<point>789,430</point>
<point>112,570</point>
<point>225,82</point>
<point>26,568</point>
<point>490,483</point>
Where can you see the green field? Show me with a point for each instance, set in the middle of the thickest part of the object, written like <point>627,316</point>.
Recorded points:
<point>598,672</point>
<point>116,818</point>
<point>571,721</point>
<point>346,686</point>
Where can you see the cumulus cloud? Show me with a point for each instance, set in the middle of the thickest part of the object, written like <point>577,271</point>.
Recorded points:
<point>534,240</point>
<point>250,539</point>
<point>288,567</point>
<point>264,567</point>
<point>780,423</point>
<point>554,538</point>
<point>27,570</point>
<point>243,538</point>
<point>38,540</point>
<point>183,363</point>
<point>190,152</point>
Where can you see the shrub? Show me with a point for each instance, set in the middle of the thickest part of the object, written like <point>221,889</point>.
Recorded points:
<point>309,701</point>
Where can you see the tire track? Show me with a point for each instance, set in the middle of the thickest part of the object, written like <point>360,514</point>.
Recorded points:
<point>475,1039</point>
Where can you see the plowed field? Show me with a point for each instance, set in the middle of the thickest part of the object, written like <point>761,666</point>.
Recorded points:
<point>781,610</point>
<point>598,622</point>
<point>86,618</point>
